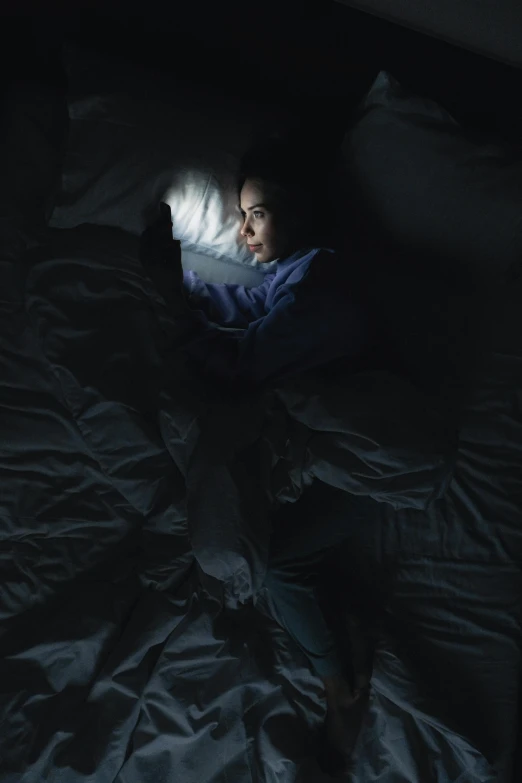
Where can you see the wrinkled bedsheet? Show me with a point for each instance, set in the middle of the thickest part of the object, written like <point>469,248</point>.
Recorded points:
<point>135,517</point>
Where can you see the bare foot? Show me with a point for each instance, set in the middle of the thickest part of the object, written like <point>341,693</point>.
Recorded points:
<point>344,717</point>
<point>339,691</point>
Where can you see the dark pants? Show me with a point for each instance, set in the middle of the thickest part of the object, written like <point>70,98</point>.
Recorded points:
<point>306,534</point>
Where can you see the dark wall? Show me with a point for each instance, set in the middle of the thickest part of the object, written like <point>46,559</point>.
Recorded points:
<point>318,56</point>
<point>489,27</point>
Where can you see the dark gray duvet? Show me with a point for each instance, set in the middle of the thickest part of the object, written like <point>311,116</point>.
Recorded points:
<point>132,533</point>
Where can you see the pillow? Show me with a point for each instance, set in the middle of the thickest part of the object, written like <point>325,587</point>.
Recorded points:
<point>221,272</point>
<point>137,137</point>
<point>438,216</point>
<point>437,191</point>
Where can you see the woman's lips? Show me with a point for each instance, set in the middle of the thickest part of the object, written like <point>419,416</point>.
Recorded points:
<point>253,248</point>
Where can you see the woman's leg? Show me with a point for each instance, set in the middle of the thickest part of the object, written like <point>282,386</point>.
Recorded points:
<point>304,534</point>
<point>292,579</point>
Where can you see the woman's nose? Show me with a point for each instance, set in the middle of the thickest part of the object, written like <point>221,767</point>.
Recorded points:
<point>246,229</point>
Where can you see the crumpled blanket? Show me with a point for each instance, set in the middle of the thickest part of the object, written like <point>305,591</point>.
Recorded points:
<point>112,347</point>
<point>375,436</point>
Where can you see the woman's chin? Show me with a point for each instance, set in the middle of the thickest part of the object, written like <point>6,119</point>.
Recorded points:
<point>264,258</point>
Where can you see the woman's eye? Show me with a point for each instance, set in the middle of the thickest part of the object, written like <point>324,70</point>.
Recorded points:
<point>258,214</point>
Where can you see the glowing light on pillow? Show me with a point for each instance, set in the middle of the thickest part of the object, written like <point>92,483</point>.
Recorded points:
<point>205,214</point>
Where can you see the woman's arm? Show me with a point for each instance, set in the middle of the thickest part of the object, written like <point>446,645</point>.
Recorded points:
<point>227,305</point>
<point>306,328</point>
<point>224,305</point>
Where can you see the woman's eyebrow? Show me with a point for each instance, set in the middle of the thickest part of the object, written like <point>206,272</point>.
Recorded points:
<point>249,209</point>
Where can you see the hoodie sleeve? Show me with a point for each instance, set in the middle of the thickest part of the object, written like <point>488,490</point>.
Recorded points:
<point>233,306</point>
<point>307,326</point>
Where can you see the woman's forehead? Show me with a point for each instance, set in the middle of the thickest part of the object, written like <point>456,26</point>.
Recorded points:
<point>256,191</point>
<point>253,190</point>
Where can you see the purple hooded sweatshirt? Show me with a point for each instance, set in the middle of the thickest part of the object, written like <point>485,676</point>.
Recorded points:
<point>300,317</point>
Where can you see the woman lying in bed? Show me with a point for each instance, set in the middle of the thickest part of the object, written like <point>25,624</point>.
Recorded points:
<point>307,313</point>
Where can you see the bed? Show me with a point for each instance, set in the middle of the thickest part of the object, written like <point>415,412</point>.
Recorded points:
<point>135,503</point>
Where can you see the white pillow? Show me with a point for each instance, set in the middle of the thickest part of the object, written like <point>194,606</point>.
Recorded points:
<point>438,191</point>
<point>228,272</point>
<point>133,143</point>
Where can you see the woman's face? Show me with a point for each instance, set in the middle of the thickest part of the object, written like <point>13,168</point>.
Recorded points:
<point>267,226</point>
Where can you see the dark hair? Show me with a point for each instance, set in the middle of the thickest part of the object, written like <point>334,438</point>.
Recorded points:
<point>304,172</point>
